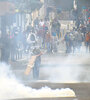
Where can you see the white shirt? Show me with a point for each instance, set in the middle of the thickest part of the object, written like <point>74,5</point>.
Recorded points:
<point>29,40</point>
<point>41,23</point>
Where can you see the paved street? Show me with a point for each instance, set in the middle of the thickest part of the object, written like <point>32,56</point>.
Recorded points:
<point>57,68</point>
<point>55,30</point>
<point>59,71</point>
<point>81,90</point>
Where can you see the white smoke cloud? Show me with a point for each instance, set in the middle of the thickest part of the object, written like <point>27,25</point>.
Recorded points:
<point>11,88</point>
<point>67,69</point>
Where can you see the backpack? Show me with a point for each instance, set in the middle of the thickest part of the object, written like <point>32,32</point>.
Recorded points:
<point>32,37</point>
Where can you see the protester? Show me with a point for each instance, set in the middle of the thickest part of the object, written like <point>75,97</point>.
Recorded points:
<point>31,40</point>
<point>38,53</point>
<point>67,40</point>
<point>87,39</point>
<point>48,42</point>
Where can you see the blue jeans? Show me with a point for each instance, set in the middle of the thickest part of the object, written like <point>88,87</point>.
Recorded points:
<point>36,68</point>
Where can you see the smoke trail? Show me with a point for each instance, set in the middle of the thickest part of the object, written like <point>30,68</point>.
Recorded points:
<point>11,88</point>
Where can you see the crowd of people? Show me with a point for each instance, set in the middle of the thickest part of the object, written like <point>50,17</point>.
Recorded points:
<point>45,35</point>
<point>40,35</point>
<point>75,39</point>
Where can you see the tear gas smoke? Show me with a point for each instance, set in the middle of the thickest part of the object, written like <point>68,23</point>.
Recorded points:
<point>68,69</point>
<point>11,88</point>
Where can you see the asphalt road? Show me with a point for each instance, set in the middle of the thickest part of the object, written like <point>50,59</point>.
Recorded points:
<point>82,90</point>
<point>57,68</point>
<point>58,71</point>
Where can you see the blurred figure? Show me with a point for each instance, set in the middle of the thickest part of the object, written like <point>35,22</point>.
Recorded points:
<point>31,40</point>
<point>58,29</point>
<point>29,28</point>
<point>5,50</point>
<point>72,42</point>
<point>36,52</point>
<point>79,40</point>
<point>36,22</point>
<point>53,32</point>
<point>55,28</point>
<point>13,47</point>
<point>19,50</point>
<point>41,23</point>
<point>67,40</point>
<point>48,42</point>
<point>83,30</point>
<point>87,39</point>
